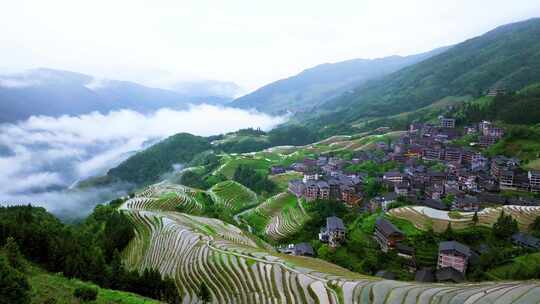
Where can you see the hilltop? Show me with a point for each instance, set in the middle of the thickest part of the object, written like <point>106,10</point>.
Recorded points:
<point>314,86</point>
<point>504,57</point>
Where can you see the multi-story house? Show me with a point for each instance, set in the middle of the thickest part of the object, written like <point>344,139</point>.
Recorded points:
<point>447,122</point>
<point>453,155</point>
<point>435,191</point>
<point>401,189</point>
<point>297,187</point>
<point>466,203</point>
<point>506,179</point>
<point>334,232</point>
<point>335,189</point>
<point>432,153</point>
<point>311,176</point>
<point>414,151</point>
<point>534,180</point>
<point>483,126</point>
<point>500,163</point>
<point>437,177</point>
<point>324,190</point>
<point>470,130</point>
<point>487,140</point>
<point>478,161</point>
<point>386,234</point>
<point>468,181</point>
<point>494,132</point>
<point>335,162</point>
<point>455,255</point>
<point>394,177</point>
<point>312,191</point>
<point>350,196</point>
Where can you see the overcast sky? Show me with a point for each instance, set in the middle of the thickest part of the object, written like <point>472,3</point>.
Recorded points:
<point>250,42</point>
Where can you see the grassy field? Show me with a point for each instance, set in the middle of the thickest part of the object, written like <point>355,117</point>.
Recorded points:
<point>59,290</point>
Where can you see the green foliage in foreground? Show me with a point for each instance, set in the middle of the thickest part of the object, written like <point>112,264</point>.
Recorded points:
<point>88,251</point>
<point>521,268</point>
<point>60,290</point>
<point>14,287</point>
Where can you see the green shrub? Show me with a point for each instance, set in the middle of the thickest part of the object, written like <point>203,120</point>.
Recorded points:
<point>85,293</point>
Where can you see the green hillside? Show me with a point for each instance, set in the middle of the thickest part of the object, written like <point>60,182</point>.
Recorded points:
<point>54,288</point>
<point>316,85</point>
<point>149,165</point>
<point>508,56</point>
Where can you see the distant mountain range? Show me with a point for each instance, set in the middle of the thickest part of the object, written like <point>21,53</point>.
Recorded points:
<point>321,83</point>
<point>54,93</point>
<point>508,57</point>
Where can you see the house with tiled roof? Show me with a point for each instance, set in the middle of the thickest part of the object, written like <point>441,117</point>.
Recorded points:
<point>386,234</point>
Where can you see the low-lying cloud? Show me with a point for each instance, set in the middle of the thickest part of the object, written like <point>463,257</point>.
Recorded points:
<point>41,157</point>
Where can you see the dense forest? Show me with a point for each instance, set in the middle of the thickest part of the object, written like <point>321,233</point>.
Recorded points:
<point>88,251</point>
<point>149,165</point>
<point>522,107</point>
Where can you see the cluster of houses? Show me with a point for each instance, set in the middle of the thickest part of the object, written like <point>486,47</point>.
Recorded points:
<point>324,179</point>
<point>452,260</point>
<point>466,176</point>
<point>434,173</point>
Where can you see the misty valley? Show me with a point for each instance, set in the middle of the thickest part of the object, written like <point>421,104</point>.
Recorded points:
<point>277,152</point>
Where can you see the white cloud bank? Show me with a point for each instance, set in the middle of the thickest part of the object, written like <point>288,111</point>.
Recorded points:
<point>42,156</point>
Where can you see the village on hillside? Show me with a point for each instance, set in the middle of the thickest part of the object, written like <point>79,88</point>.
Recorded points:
<point>430,170</point>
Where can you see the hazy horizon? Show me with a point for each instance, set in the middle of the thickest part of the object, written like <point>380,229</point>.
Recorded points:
<point>164,42</point>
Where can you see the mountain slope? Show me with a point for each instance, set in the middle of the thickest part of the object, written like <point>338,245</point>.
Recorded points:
<point>54,93</point>
<point>149,165</point>
<point>238,268</point>
<point>508,56</point>
<point>323,82</point>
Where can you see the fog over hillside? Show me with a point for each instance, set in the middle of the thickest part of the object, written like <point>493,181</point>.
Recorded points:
<point>42,156</point>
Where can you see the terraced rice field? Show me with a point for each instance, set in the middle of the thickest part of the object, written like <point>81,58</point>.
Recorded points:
<point>231,162</point>
<point>232,195</point>
<point>278,217</point>
<point>238,269</point>
<point>168,197</point>
<point>423,217</point>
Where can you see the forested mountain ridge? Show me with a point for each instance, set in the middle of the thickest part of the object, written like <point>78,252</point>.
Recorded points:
<point>508,56</point>
<point>318,84</point>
